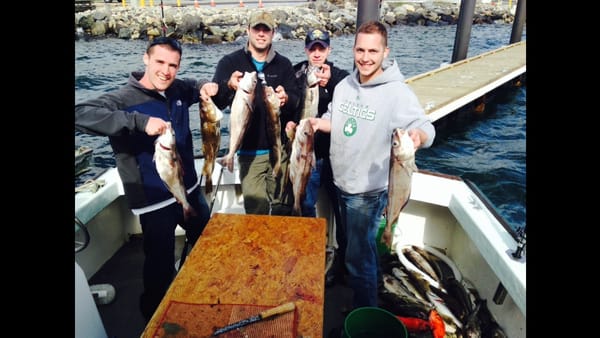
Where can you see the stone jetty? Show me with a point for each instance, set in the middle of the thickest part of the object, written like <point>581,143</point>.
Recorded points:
<point>210,25</point>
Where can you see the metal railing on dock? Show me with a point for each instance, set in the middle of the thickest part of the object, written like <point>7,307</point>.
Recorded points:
<point>444,90</point>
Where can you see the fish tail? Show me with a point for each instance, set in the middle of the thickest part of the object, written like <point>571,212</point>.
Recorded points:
<point>208,185</point>
<point>387,236</point>
<point>277,170</point>
<point>296,210</point>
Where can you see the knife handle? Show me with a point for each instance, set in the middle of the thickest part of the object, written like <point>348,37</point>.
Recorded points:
<point>277,310</point>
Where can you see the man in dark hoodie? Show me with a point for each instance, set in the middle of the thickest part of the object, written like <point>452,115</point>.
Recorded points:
<point>261,189</point>
<point>317,47</point>
<point>132,117</point>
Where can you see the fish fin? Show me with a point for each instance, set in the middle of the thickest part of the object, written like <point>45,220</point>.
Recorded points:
<point>248,102</point>
<point>413,167</point>
<point>180,164</point>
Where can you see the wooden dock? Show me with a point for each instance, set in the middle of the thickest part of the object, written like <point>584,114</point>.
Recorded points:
<point>444,90</point>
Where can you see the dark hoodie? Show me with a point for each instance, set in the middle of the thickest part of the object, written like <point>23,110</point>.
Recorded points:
<point>325,95</point>
<point>278,71</point>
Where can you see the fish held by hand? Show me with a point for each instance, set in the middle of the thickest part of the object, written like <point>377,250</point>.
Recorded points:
<point>402,165</point>
<point>273,126</point>
<point>302,160</point>
<point>210,129</point>
<point>169,167</point>
<point>311,93</point>
<point>241,109</point>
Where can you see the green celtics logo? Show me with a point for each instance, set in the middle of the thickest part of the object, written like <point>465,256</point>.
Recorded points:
<point>350,127</point>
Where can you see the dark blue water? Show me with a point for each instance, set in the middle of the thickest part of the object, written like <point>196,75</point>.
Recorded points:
<point>487,149</point>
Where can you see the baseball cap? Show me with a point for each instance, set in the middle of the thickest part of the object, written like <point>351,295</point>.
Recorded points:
<point>261,17</point>
<point>316,36</point>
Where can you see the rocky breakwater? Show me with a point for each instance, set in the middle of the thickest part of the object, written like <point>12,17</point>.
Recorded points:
<point>209,25</point>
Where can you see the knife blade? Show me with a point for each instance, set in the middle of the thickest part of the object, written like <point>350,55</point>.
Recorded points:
<point>283,308</point>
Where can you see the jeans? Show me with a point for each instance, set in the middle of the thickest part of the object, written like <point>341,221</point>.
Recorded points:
<point>362,214</point>
<point>309,208</point>
<point>158,228</point>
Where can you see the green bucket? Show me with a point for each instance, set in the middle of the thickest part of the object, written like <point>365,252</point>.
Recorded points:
<point>373,322</point>
<point>381,247</point>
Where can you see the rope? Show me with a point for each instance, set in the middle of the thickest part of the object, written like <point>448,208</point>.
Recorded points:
<point>90,185</point>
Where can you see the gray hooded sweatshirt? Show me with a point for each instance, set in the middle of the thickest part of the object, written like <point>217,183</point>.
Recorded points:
<point>363,117</point>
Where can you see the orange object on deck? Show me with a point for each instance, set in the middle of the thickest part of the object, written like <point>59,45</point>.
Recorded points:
<point>196,4</point>
<point>241,3</point>
<point>249,260</point>
<point>212,3</point>
<point>260,4</point>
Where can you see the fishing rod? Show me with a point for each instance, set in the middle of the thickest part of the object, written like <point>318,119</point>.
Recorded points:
<point>184,250</point>
<point>164,24</point>
<point>212,203</point>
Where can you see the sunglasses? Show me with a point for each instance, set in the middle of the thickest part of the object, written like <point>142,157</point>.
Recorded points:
<point>163,40</point>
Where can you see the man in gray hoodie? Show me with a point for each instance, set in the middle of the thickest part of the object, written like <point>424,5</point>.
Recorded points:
<point>365,109</point>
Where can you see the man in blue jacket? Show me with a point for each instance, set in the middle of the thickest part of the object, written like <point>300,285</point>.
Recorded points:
<point>262,191</point>
<point>132,117</point>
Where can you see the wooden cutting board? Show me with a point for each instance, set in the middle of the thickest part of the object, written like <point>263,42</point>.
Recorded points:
<point>252,260</point>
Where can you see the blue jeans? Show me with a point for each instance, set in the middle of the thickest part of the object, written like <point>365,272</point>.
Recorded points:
<point>309,208</point>
<point>362,214</point>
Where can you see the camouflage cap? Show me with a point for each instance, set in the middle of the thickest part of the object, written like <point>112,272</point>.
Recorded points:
<point>261,17</point>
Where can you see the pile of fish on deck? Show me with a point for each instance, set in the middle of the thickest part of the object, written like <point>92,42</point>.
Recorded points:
<point>425,289</point>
